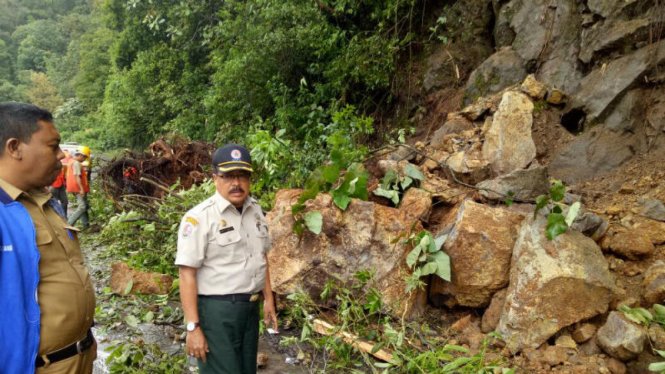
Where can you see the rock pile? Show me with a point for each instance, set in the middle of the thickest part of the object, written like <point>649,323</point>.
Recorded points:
<point>531,290</point>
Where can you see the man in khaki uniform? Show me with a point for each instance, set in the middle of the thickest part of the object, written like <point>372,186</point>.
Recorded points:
<point>30,162</point>
<point>222,246</point>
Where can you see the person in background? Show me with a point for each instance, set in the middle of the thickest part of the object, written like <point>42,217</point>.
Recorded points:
<point>77,183</point>
<point>46,294</point>
<point>59,188</point>
<point>222,246</point>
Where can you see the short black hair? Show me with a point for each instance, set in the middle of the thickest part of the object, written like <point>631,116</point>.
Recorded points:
<point>20,121</point>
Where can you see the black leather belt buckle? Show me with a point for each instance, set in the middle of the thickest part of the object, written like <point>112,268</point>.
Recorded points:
<point>85,344</point>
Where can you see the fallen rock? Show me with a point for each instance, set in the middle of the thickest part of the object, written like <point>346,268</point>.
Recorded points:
<point>416,204</point>
<point>148,283</point>
<point>525,184</point>
<point>502,69</point>
<point>402,154</point>
<point>557,97</point>
<point>653,230</point>
<point>476,110</point>
<point>554,355</point>
<point>469,166</point>
<point>654,209</point>
<point>493,312</point>
<point>565,341</point>
<point>438,157</point>
<point>591,225</point>
<point>584,333</point>
<point>530,86</point>
<point>262,360</point>
<point>553,284</point>
<point>621,338</point>
<point>657,336</point>
<point>480,244</point>
<point>632,245</point>
<point>508,143</point>
<point>441,190</point>
<point>653,284</point>
<point>612,34</point>
<point>359,238</point>
<point>615,366</point>
<point>590,348</point>
<point>453,125</point>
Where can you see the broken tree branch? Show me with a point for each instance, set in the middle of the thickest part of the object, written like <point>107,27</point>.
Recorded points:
<point>324,328</point>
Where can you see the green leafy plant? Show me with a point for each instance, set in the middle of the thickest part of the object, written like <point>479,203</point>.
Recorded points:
<point>557,223</point>
<point>426,258</point>
<point>642,316</point>
<point>395,183</point>
<point>327,179</point>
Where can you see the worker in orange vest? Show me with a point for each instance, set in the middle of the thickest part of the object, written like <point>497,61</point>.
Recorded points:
<point>59,188</point>
<point>77,183</point>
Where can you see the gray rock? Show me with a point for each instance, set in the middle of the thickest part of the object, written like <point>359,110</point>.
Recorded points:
<point>628,114</point>
<point>402,153</point>
<point>653,209</point>
<point>612,35</point>
<point>454,125</point>
<point>592,154</point>
<point>526,184</point>
<point>591,225</point>
<point>584,333</point>
<point>597,92</point>
<point>553,284</point>
<point>590,348</point>
<point>606,8</point>
<point>621,338</point>
<point>502,69</point>
<point>508,143</point>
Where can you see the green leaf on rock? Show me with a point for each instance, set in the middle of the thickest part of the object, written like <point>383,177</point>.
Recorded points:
<point>556,225</point>
<point>442,264</point>
<point>341,199</point>
<point>314,222</point>
<point>429,268</point>
<point>412,257</point>
<point>413,172</point>
<point>391,194</point>
<point>541,202</point>
<point>572,213</point>
<point>557,191</point>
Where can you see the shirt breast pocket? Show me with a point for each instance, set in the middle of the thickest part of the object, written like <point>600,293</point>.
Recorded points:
<point>226,247</point>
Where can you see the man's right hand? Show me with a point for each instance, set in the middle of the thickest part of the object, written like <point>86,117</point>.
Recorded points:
<point>197,345</point>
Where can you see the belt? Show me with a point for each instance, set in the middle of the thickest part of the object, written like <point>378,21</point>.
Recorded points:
<point>245,297</point>
<point>73,349</point>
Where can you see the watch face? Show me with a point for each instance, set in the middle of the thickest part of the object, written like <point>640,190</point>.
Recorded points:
<point>191,326</point>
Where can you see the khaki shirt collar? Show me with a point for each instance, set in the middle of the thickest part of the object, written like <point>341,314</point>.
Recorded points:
<point>39,196</point>
<point>223,204</point>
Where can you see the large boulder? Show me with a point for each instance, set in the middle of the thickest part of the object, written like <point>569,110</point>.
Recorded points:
<point>360,238</point>
<point>480,244</point>
<point>553,284</point>
<point>508,143</point>
<point>148,283</point>
<point>502,69</point>
<point>621,338</point>
<point>525,184</point>
<point>613,34</point>
<point>592,154</point>
<point>545,35</point>
<point>597,93</point>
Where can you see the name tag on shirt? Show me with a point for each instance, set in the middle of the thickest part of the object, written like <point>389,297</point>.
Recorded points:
<point>226,229</point>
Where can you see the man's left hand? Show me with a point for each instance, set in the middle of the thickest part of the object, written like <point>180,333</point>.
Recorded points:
<point>269,315</point>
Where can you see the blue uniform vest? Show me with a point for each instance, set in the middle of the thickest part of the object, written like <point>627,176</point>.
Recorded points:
<point>19,277</point>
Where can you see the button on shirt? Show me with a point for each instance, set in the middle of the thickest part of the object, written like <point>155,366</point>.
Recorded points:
<point>65,294</point>
<point>226,246</point>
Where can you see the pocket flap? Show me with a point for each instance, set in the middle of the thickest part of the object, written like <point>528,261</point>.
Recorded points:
<point>43,237</point>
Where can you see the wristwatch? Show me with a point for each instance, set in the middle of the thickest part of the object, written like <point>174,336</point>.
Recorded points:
<point>191,326</point>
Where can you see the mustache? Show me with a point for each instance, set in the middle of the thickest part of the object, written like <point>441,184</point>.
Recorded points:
<point>237,189</point>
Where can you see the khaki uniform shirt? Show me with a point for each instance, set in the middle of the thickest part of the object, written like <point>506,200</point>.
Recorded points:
<point>227,247</point>
<point>65,294</point>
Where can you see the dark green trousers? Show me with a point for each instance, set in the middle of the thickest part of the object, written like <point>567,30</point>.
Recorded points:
<point>232,332</point>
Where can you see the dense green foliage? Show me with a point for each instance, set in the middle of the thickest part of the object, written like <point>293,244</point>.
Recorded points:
<point>293,79</point>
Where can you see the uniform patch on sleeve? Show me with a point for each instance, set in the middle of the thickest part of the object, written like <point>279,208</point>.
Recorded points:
<point>187,229</point>
<point>192,221</point>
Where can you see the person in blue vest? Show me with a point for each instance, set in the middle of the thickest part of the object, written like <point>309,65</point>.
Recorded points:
<point>47,300</point>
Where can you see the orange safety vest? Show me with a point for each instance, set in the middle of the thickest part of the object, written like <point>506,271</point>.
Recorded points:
<point>60,181</point>
<point>72,186</point>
